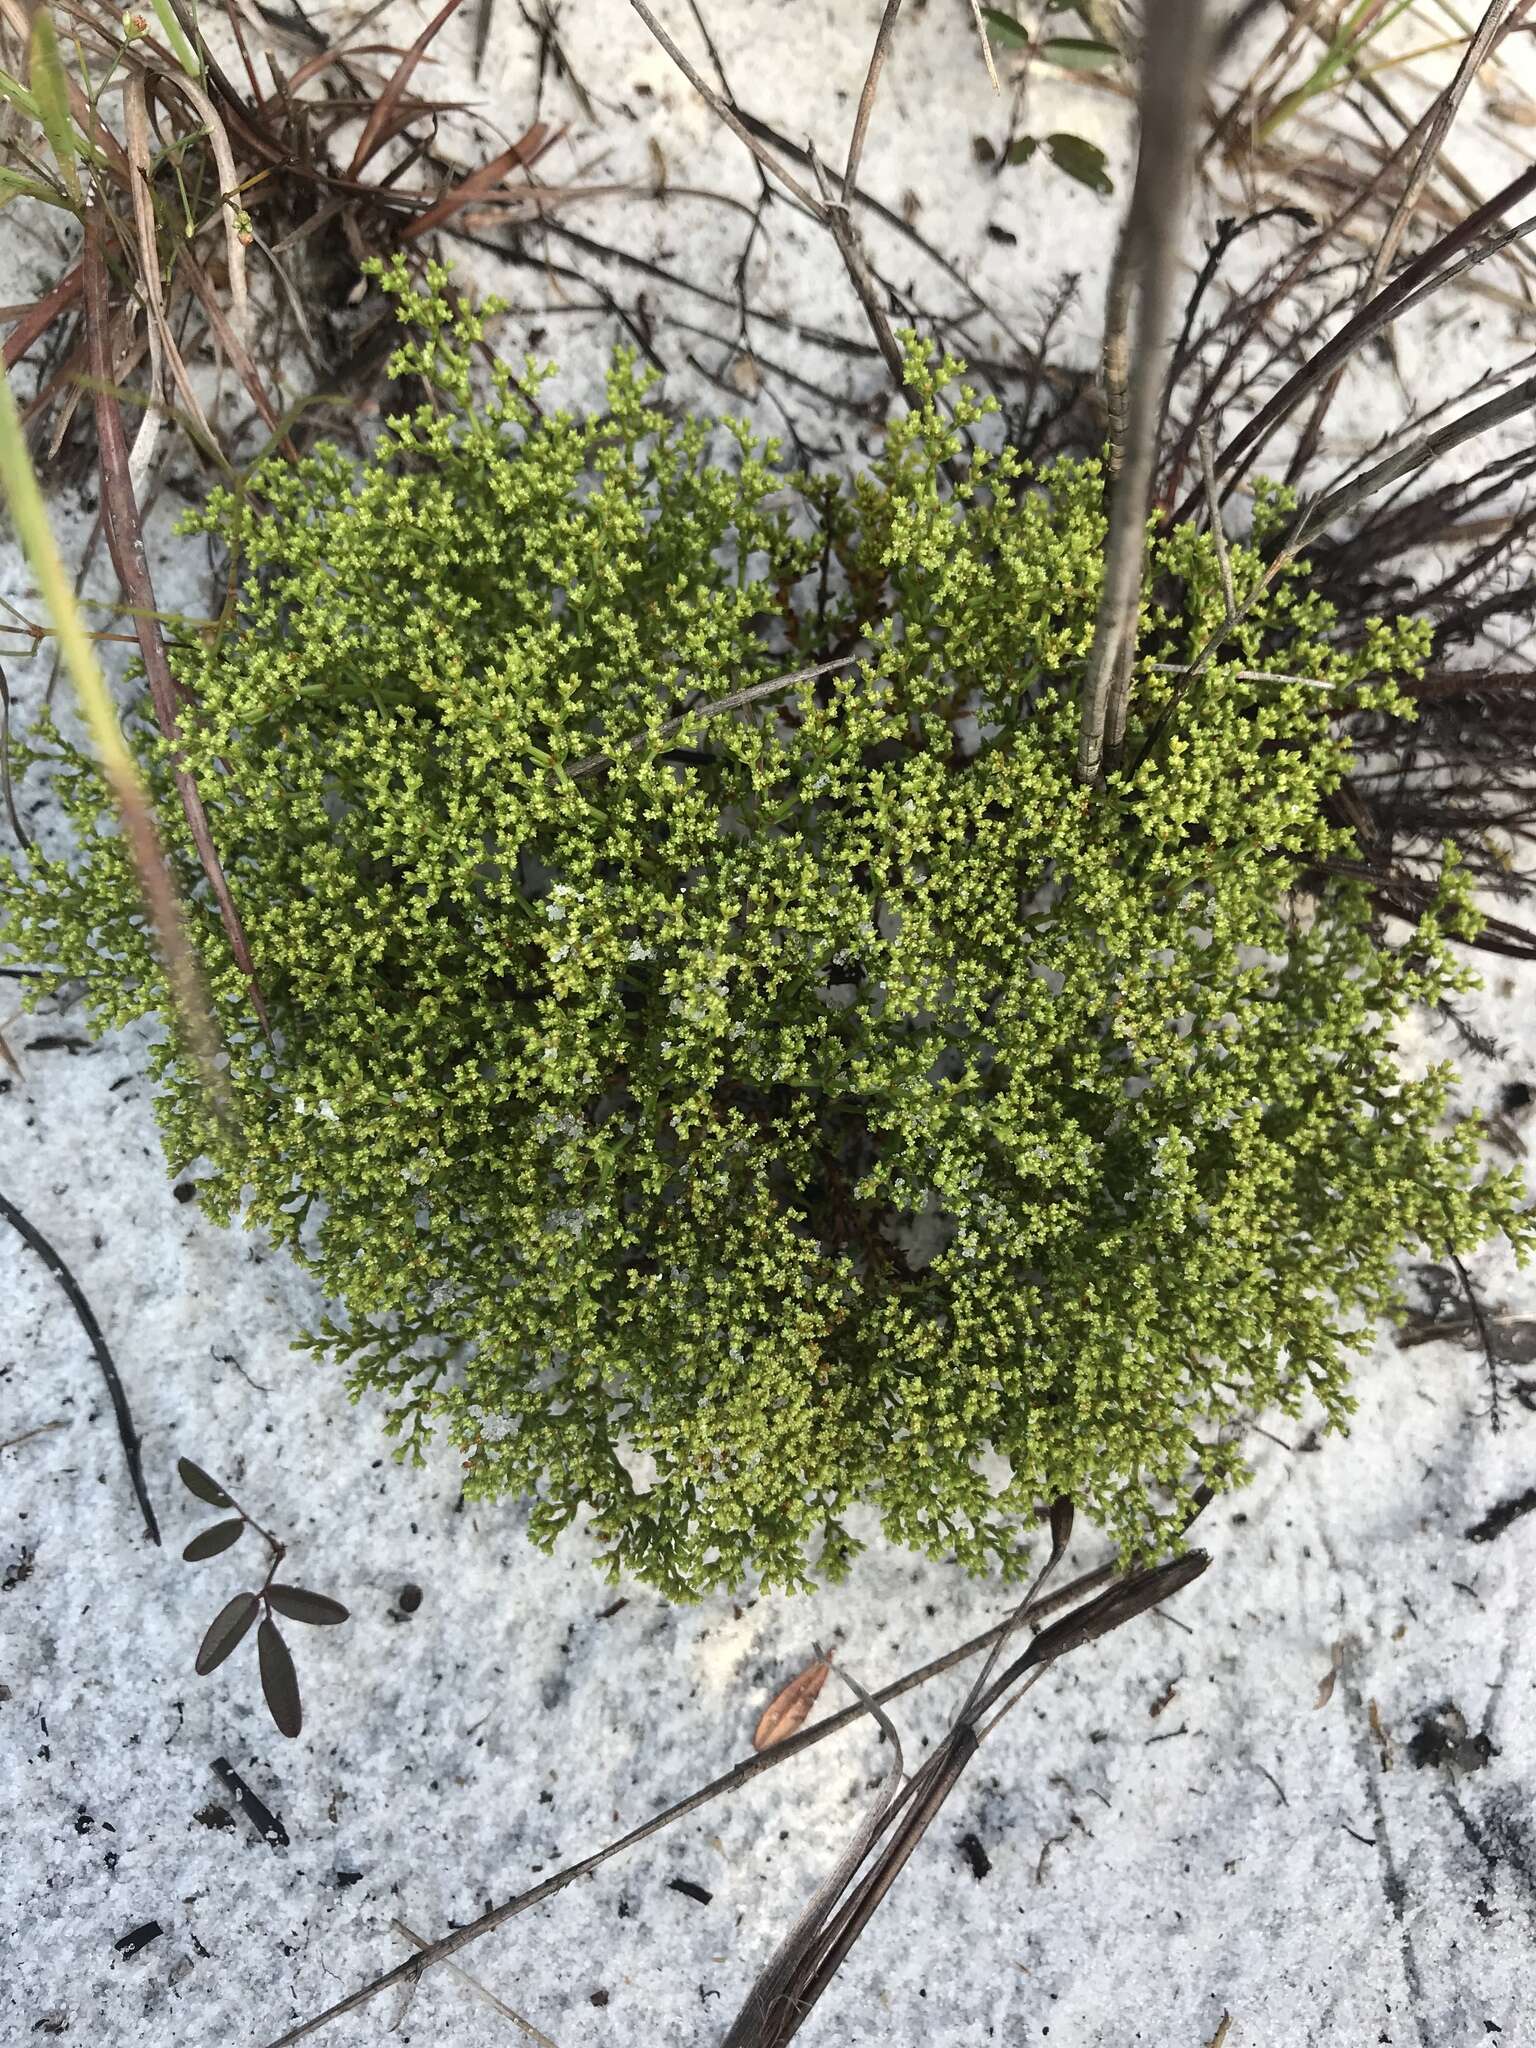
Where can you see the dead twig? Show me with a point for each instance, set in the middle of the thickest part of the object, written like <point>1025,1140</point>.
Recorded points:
<point>480,1990</point>
<point>42,1429</point>
<point>731,1781</point>
<point>1485,1337</point>
<point>1218,531</point>
<point>728,114</point>
<point>752,694</point>
<point>125,543</point>
<point>127,1433</point>
<point>1172,75</point>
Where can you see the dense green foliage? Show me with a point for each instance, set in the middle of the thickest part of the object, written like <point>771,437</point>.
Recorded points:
<point>793,1108</point>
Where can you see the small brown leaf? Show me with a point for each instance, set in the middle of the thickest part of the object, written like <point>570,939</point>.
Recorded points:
<point>1325,1687</point>
<point>279,1680</point>
<point>226,1629</point>
<point>318,1609</point>
<point>787,1710</point>
<point>209,1542</point>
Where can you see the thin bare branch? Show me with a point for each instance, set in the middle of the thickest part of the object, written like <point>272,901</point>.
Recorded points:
<point>480,1990</point>
<point>752,694</point>
<point>1173,68</point>
<point>1218,531</point>
<point>728,114</point>
<point>125,542</point>
<point>866,107</point>
<point>127,1432</point>
<point>1435,126</point>
<point>731,1781</point>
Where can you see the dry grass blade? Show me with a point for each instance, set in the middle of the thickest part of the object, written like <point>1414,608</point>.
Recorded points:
<point>1427,448</point>
<point>480,1990</point>
<point>525,152</point>
<point>377,128</point>
<point>798,1990</point>
<point>239,355</point>
<point>771,2009</point>
<point>229,203</point>
<point>1436,125</point>
<point>986,45</point>
<point>731,1781</point>
<point>40,316</point>
<point>1470,242</point>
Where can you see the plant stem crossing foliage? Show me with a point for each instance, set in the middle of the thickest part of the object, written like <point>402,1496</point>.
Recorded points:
<point>806,1100</point>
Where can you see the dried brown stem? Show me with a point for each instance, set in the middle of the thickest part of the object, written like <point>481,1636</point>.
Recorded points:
<point>1172,74</point>
<point>128,1435</point>
<point>1218,531</point>
<point>728,114</point>
<point>125,542</point>
<point>866,106</point>
<point>1470,242</point>
<point>731,1781</point>
<point>1435,127</point>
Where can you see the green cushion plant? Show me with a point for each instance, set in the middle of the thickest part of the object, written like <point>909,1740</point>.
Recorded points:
<point>723,1126</point>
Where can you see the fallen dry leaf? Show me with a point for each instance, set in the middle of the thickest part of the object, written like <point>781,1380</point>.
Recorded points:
<point>787,1710</point>
<point>1325,1689</point>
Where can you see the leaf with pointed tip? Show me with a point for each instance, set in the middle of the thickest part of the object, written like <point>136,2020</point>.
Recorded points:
<point>1082,160</point>
<point>45,75</point>
<point>226,1629</point>
<point>14,186</point>
<point>316,1608</point>
<point>279,1680</point>
<point>209,1542</point>
<point>197,1481</point>
<point>790,1705</point>
<point>1005,28</point>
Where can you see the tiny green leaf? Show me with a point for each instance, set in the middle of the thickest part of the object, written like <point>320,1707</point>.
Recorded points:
<point>209,1542</point>
<point>45,67</point>
<point>1082,160</point>
<point>14,186</point>
<point>13,90</point>
<point>197,1481</point>
<point>1021,151</point>
<point>1004,29</point>
<point>1079,53</point>
<point>181,49</point>
<point>225,1631</point>
<point>316,1608</point>
<point>279,1681</point>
